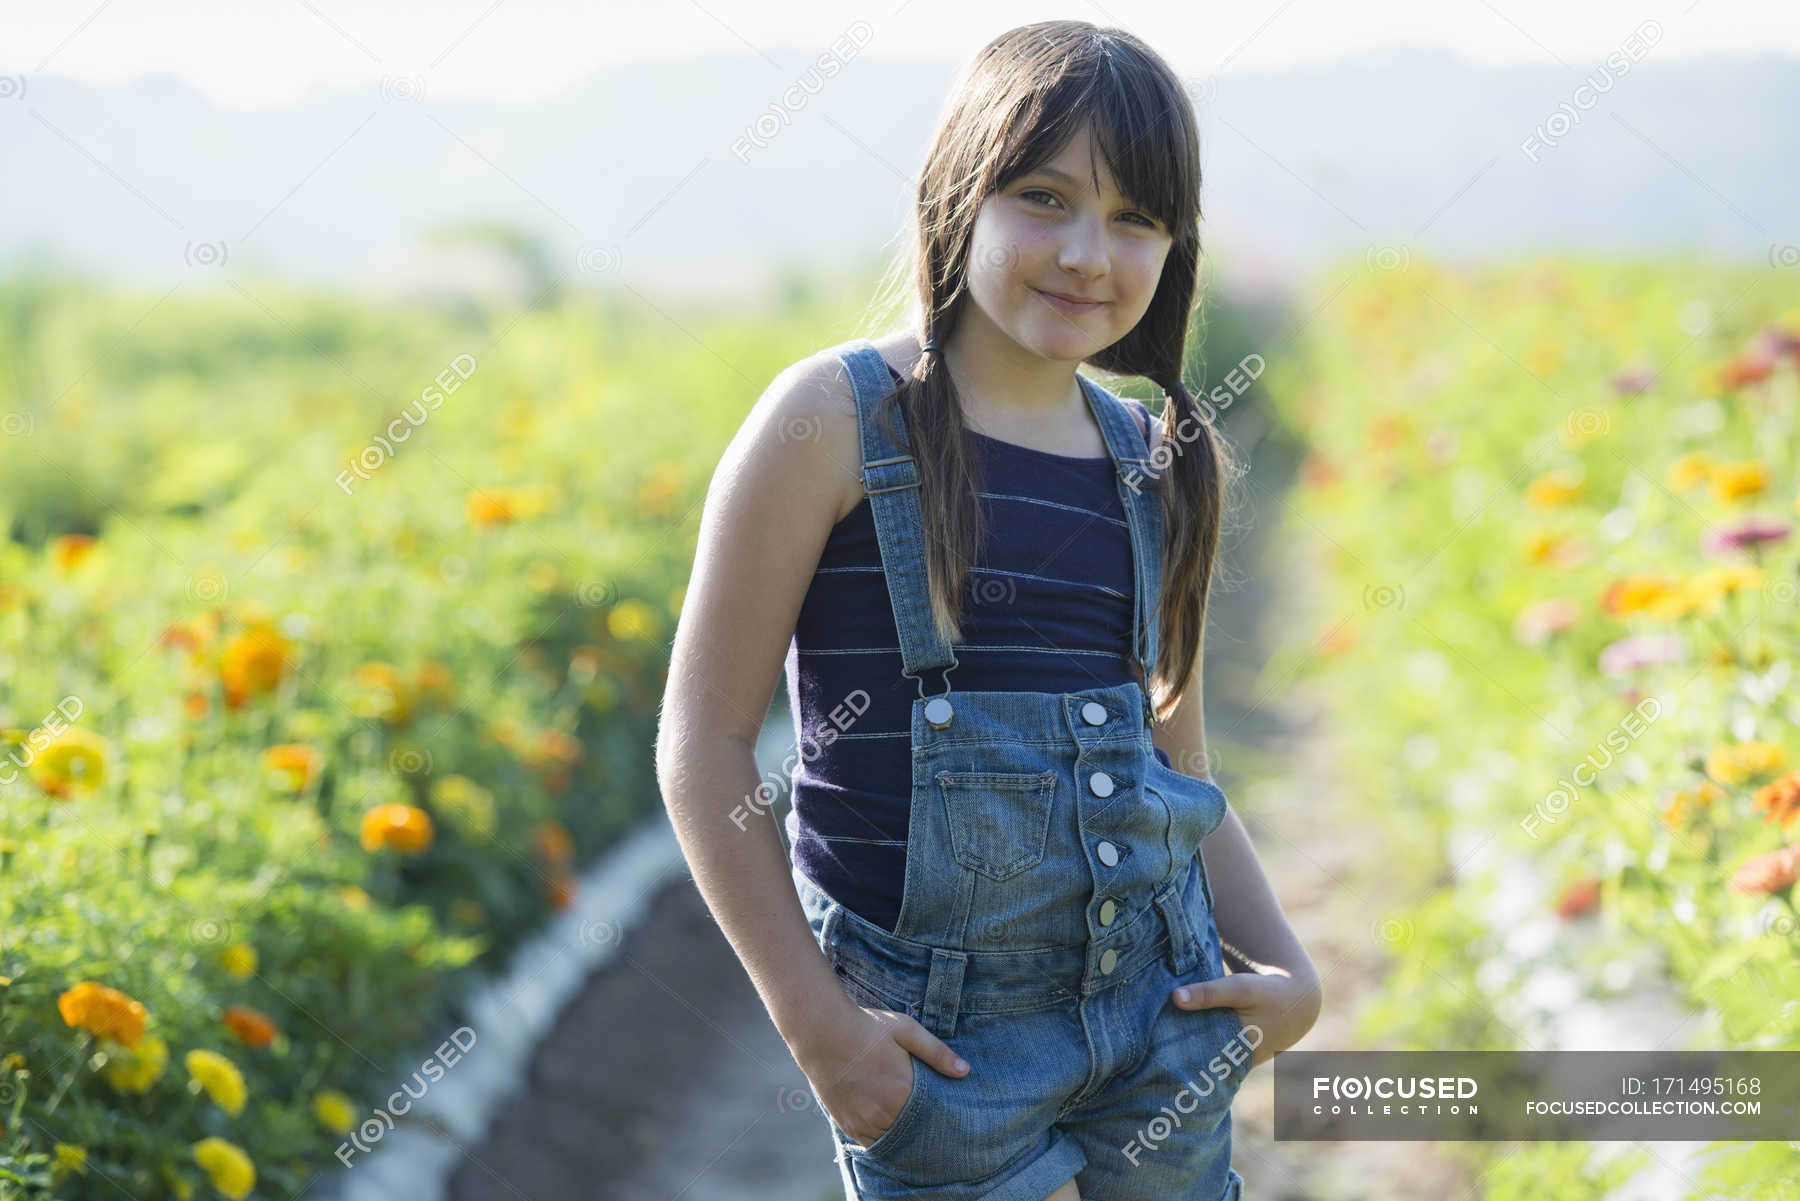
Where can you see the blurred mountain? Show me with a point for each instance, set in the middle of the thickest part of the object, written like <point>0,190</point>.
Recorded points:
<point>720,175</point>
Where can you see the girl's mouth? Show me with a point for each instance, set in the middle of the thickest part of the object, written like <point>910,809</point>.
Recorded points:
<point>1073,308</point>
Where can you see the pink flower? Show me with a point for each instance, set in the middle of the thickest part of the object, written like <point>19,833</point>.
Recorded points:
<point>1743,534</point>
<point>1770,872</point>
<point>1634,379</point>
<point>1537,622</point>
<point>1645,650</point>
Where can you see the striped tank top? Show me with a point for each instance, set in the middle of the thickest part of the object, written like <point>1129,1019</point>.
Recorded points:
<point>1047,607</point>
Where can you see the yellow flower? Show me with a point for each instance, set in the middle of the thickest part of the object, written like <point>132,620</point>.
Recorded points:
<point>135,1069</point>
<point>177,1183</point>
<point>238,960</point>
<point>231,1170</point>
<point>1553,488</point>
<point>382,692</point>
<point>1690,469</point>
<point>466,805</point>
<point>632,619</point>
<point>104,1012</point>
<point>334,1110</point>
<point>490,506</point>
<point>73,761</point>
<point>1738,762</point>
<point>354,898</point>
<point>220,1078</point>
<point>1655,595</point>
<point>70,1160</point>
<point>1744,478</point>
<point>1708,588</point>
<point>67,552</point>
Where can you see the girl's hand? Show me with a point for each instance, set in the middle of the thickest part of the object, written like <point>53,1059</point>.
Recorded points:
<point>1283,1006</point>
<point>863,1071</point>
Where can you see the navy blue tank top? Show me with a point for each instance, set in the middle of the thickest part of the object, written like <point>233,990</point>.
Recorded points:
<point>1047,608</point>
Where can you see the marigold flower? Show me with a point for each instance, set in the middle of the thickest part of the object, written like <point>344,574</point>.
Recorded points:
<point>1737,762</point>
<point>466,805</point>
<point>238,960</point>
<point>1780,801</point>
<point>251,1025</point>
<point>335,1111</point>
<point>73,761</point>
<point>104,1012</point>
<point>135,1069</point>
<point>382,692</point>
<point>551,841</point>
<point>253,661</point>
<point>220,1078</point>
<point>70,550</point>
<point>404,828</point>
<point>230,1169</point>
<point>632,620</point>
<point>1769,872</point>
<point>490,506</point>
<point>291,767</point>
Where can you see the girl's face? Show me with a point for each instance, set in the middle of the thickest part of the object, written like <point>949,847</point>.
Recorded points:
<point>1050,233</point>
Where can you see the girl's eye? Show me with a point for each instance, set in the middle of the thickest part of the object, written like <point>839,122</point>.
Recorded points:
<point>1148,221</point>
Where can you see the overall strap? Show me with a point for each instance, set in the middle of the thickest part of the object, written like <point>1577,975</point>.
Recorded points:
<point>1136,476</point>
<point>890,476</point>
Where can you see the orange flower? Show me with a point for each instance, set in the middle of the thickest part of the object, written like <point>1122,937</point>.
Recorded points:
<point>405,828</point>
<point>1770,872</point>
<point>383,693</point>
<point>251,1025</point>
<point>291,766</point>
<point>1316,471</point>
<point>1780,801</point>
<point>490,506</point>
<point>561,890</point>
<point>434,683</point>
<point>104,1012</point>
<point>253,661</point>
<point>1578,898</point>
<point>67,552</point>
<point>195,705</point>
<point>551,841</point>
<point>1702,794</point>
<point>1745,368</point>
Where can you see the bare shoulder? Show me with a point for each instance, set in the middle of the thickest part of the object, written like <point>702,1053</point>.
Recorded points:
<point>812,401</point>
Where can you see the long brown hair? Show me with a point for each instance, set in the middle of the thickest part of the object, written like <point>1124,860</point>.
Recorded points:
<point>1014,106</point>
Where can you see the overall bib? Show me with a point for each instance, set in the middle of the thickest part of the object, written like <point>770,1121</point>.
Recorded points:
<point>1054,897</point>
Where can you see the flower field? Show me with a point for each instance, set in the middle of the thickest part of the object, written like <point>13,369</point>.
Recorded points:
<point>1552,511</point>
<point>331,639</point>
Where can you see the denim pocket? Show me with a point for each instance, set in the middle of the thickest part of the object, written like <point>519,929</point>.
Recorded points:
<point>999,822</point>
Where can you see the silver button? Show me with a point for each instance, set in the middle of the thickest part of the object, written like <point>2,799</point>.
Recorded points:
<point>1109,959</point>
<point>1109,854</point>
<point>1101,783</point>
<point>1093,713</point>
<point>1108,911</point>
<point>937,712</point>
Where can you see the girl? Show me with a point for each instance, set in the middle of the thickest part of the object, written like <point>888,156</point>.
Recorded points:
<point>995,953</point>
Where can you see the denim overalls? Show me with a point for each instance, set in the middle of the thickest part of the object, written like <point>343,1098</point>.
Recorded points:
<point>1054,897</point>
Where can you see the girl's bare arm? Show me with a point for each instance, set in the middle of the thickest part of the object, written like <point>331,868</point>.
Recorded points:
<point>773,500</point>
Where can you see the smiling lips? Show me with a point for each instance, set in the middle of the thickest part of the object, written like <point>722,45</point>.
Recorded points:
<point>1068,304</point>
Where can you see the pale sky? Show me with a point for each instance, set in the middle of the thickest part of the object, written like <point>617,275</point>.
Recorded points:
<point>270,51</point>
